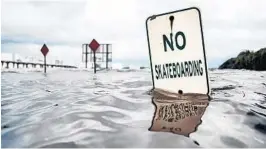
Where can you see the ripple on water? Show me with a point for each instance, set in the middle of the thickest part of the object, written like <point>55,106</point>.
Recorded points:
<point>233,142</point>
<point>80,109</point>
<point>137,84</point>
<point>116,102</point>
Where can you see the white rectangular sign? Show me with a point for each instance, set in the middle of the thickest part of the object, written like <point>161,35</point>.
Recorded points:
<point>177,54</point>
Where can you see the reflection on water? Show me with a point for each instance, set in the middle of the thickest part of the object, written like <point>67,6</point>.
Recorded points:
<point>176,113</point>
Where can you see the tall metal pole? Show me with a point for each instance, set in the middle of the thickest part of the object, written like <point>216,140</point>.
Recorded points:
<point>107,56</point>
<point>94,59</point>
<point>44,64</point>
<point>86,56</point>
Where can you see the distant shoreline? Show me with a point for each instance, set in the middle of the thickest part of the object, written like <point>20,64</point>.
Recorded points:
<point>247,60</point>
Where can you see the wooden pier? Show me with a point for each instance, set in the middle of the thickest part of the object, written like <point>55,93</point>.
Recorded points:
<point>27,64</point>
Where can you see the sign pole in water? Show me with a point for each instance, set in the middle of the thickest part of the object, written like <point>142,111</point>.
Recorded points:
<point>107,45</point>
<point>94,61</point>
<point>94,45</point>
<point>45,64</point>
<point>177,52</point>
<point>44,51</point>
<point>86,56</point>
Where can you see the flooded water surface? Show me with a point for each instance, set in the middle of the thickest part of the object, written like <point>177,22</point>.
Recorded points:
<point>117,109</point>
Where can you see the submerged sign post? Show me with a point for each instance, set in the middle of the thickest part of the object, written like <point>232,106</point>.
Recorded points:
<point>44,51</point>
<point>94,45</point>
<point>177,54</point>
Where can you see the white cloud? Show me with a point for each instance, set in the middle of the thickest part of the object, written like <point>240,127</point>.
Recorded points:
<point>229,26</point>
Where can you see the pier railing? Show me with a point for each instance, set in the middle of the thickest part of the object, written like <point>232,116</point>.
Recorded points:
<point>33,65</point>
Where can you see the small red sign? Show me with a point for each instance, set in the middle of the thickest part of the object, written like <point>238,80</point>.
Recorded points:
<point>94,45</point>
<point>44,50</point>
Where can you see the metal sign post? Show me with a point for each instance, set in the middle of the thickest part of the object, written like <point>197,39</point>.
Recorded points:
<point>86,58</point>
<point>94,45</point>
<point>94,61</point>
<point>107,56</point>
<point>44,51</point>
<point>103,56</point>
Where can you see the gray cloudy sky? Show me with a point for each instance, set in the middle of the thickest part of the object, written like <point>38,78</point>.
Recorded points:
<point>229,26</point>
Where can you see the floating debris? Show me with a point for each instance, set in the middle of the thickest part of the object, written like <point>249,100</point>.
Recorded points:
<point>229,87</point>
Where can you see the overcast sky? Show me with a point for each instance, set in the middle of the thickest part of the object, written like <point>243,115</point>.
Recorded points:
<point>229,26</point>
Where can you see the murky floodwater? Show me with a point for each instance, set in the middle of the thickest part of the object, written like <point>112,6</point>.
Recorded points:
<point>116,109</point>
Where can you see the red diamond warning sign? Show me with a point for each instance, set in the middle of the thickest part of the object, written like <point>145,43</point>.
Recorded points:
<point>44,50</point>
<point>94,45</point>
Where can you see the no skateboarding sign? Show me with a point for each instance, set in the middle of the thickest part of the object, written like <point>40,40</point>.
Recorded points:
<point>177,54</point>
